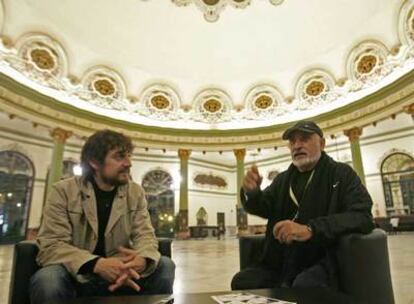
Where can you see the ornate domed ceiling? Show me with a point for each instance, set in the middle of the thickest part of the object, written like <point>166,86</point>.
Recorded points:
<point>165,74</point>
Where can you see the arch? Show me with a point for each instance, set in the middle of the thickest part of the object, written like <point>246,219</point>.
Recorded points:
<point>16,188</point>
<point>202,217</point>
<point>158,185</point>
<point>397,174</point>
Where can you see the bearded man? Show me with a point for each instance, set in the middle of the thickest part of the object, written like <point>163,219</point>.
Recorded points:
<point>96,237</point>
<point>308,207</point>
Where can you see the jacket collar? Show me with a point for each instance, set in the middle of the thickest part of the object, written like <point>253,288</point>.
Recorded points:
<point>119,205</point>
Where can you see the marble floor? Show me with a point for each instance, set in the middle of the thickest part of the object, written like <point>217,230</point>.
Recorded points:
<point>208,265</point>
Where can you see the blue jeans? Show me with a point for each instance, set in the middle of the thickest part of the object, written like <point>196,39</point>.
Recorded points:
<point>53,283</point>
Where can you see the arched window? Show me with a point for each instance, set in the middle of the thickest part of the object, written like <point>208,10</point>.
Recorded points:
<point>397,172</point>
<point>16,185</point>
<point>158,186</point>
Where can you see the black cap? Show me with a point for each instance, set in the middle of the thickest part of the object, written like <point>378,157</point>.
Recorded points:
<point>306,126</point>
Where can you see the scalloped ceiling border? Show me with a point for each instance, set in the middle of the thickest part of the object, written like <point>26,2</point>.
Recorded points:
<point>369,63</point>
<point>212,8</point>
<point>26,103</point>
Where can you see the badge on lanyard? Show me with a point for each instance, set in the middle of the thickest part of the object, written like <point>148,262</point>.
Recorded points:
<point>293,196</point>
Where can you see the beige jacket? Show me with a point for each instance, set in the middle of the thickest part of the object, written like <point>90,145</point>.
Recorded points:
<point>69,230</point>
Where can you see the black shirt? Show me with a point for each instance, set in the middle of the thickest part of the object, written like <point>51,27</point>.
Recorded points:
<point>298,183</point>
<point>104,200</point>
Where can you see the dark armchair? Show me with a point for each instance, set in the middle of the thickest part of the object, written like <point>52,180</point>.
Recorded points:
<point>364,270</point>
<point>24,266</point>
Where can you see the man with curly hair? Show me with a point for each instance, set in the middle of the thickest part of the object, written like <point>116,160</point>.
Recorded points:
<point>96,237</point>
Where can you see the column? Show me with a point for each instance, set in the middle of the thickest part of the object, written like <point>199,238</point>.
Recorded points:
<point>353,136</point>
<point>241,214</point>
<point>55,171</point>
<point>183,232</point>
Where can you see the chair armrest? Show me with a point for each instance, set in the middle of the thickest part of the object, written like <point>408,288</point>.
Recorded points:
<point>250,249</point>
<point>164,246</point>
<point>364,270</point>
<point>23,267</point>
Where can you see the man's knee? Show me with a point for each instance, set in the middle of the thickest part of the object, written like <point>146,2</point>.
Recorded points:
<point>51,283</point>
<point>315,276</point>
<point>239,281</point>
<point>165,273</point>
<point>252,278</point>
<point>166,267</point>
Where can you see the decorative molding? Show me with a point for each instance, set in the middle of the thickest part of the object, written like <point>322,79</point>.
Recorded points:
<point>316,87</point>
<point>212,193</point>
<point>369,64</point>
<point>31,105</point>
<point>213,106</point>
<point>210,181</point>
<point>104,88</point>
<point>264,102</point>
<point>158,101</point>
<point>212,8</point>
<point>406,24</point>
<point>41,60</point>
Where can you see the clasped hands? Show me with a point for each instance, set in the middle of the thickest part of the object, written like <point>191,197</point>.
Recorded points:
<point>122,270</point>
<point>288,231</point>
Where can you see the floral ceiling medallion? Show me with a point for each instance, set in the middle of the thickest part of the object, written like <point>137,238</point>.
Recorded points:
<point>40,62</point>
<point>213,8</point>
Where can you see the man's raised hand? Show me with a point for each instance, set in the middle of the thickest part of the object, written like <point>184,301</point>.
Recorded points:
<point>252,180</point>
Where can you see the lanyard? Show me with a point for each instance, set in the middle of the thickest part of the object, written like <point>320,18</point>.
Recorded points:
<point>293,196</point>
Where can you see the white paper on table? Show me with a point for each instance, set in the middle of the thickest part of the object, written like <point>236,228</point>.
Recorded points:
<point>246,298</point>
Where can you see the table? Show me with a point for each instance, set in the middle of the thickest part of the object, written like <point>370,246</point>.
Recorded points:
<point>300,296</point>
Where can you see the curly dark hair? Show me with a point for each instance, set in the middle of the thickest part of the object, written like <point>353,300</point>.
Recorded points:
<point>99,144</point>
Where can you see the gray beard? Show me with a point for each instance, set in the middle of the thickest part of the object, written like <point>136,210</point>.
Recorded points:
<point>306,164</point>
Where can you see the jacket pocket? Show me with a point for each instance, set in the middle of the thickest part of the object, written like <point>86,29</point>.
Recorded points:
<point>79,228</point>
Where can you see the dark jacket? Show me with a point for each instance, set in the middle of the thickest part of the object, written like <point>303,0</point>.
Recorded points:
<point>335,203</point>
